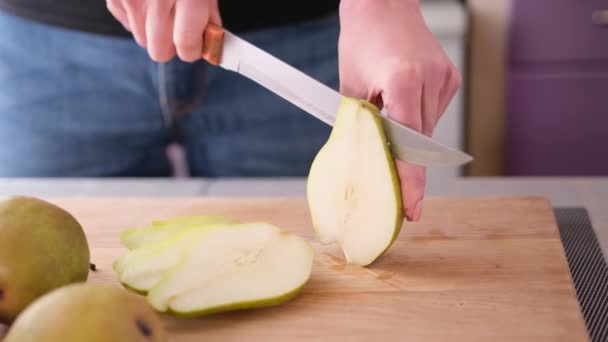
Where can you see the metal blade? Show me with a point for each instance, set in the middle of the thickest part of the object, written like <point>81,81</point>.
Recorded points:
<point>322,102</point>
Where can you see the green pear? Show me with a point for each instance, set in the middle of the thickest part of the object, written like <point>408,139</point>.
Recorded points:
<point>88,312</point>
<point>42,247</point>
<point>353,189</point>
<point>140,269</point>
<point>160,229</point>
<point>245,266</point>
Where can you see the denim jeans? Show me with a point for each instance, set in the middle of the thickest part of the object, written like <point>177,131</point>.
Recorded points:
<point>74,104</point>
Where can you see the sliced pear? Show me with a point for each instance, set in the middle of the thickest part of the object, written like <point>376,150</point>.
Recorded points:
<point>188,220</point>
<point>353,187</point>
<point>142,268</point>
<point>160,229</point>
<point>255,265</point>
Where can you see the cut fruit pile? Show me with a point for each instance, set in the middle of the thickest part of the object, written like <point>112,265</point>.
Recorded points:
<point>199,265</point>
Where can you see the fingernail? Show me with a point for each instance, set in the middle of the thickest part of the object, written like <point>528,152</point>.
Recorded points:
<point>417,212</point>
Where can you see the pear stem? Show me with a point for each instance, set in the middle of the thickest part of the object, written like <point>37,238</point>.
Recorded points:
<point>92,267</point>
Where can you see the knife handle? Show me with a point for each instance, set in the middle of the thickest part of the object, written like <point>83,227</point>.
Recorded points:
<point>213,43</point>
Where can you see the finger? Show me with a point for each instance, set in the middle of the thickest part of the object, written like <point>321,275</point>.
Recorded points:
<point>402,98</point>
<point>136,15</point>
<point>214,13</point>
<point>115,8</point>
<point>191,17</point>
<point>402,95</point>
<point>430,103</point>
<point>413,182</point>
<point>449,89</point>
<point>159,31</point>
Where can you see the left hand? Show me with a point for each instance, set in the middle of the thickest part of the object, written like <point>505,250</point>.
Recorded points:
<point>388,56</point>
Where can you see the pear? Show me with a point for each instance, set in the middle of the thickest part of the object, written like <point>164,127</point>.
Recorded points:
<point>160,229</point>
<point>353,189</point>
<point>140,269</point>
<point>238,267</point>
<point>88,312</point>
<point>42,247</point>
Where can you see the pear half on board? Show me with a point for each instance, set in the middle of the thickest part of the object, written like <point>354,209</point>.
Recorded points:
<point>245,266</point>
<point>353,188</point>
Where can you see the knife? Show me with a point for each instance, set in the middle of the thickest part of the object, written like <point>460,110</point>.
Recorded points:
<point>224,49</point>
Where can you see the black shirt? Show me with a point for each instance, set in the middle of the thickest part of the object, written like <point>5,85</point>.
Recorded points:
<point>93,16</point>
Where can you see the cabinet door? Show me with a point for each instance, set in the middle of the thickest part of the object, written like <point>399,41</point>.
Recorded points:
<point>557,124</point>
<point>558,31</point>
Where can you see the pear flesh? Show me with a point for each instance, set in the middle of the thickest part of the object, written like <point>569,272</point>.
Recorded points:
<point>88,312</point>
<point>353,188</point>
<point>140,269</point>
<point>161,229</point>
<point>238,267</point>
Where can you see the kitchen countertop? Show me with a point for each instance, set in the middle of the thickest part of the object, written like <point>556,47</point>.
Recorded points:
<point>591,193</point>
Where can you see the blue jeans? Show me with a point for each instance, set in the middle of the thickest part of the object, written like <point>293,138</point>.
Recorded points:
<point>75,104</point>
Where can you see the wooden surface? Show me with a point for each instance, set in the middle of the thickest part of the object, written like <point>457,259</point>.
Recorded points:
<point>474,269</point>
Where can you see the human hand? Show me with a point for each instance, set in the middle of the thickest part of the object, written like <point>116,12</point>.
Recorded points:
<point>388,56</point>
<point>167,27</point>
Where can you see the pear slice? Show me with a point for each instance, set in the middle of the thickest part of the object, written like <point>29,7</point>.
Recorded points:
<point>160,229</point>
<point>255,265</point>
<point>140,269</point>
<point>353,189</point>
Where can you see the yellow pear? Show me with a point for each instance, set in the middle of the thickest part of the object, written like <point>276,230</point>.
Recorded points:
<point>42,247</point>
<point>88,312</point>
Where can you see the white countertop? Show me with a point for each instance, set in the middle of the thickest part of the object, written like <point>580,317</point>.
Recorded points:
<point>591,193</point>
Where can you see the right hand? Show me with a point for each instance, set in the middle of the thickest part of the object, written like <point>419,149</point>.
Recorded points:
<point>167,27</point>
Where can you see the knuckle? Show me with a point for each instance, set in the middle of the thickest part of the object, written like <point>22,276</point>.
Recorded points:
<point>440,67</point>
<point>187,56</point>
<point>160,57</point>
<point>133,4</point>
<point>113,6</point>
<point>160,53</point>
<point>187,39</point>
<point>413,71</point>
<point>456,78</point>
<point>406,76</point>
<point>188,45</point>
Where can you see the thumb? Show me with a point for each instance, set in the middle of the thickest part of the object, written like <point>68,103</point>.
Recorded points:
<point>402,98</point>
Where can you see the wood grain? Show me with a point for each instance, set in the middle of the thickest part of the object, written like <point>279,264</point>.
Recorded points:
<point>486,88</point>
<point>473,269</point>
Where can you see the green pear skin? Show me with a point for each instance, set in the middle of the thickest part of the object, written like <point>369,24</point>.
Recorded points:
<point>88,312</point>
<point>42,247</point>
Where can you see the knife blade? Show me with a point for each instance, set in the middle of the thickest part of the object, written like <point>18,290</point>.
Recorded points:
<point>225,49</point>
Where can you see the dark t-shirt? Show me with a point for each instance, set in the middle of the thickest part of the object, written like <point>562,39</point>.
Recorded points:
<point>93,16</point>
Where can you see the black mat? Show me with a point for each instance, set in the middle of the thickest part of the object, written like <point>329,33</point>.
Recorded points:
<point>588,268</point>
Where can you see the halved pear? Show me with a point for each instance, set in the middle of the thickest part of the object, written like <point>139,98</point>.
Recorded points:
<point>353,187</point>
<point>140,269</point>
<point>160,229</point>
<point>254,265</point>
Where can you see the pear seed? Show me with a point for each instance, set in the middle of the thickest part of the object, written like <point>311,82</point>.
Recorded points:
<point>144,328</point>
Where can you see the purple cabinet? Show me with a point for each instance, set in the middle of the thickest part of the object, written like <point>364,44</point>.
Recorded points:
<point>557,89</point>
<point>550,31</point>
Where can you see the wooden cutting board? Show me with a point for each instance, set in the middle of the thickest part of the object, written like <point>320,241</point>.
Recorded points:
<point>474,269</point>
